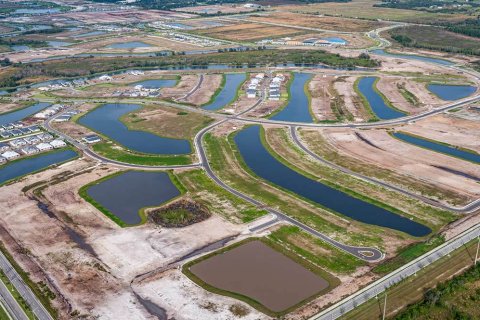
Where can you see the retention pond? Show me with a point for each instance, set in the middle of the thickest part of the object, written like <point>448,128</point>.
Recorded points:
<point>26,166</point>
<point>21,114</point>
<point>439,147</point>
<point>263,164</point>
<point>106,120</point>
<point>124,195</point>
<point>451,92</point>
<point>259,272</point>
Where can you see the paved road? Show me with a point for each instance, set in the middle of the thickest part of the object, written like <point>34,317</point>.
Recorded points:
<point>363,253</point>
<point>341,308</point>
<point>199,83</point>
<point>38,309</point>
<point>465,209</point>
<point>10,304</point>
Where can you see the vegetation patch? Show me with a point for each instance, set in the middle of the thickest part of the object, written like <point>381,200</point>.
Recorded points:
<point>180,214</point>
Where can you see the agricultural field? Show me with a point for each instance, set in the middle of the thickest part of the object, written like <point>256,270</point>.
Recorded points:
<point>365,9</point>
<point>319,22</point>
<point>249,32</point>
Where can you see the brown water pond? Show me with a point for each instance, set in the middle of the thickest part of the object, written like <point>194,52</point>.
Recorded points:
<point>259,272</point>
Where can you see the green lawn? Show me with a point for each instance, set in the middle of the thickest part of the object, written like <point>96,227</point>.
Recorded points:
<point>112,151</point>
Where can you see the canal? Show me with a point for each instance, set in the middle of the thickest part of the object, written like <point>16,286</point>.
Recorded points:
<point>263,164</point>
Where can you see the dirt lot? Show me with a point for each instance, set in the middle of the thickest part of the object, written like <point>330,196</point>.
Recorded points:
<point>390,88</point>
<point>94,274</point>
<point>123,16</point>
<point>184,86</point>
<point>210,83</point>
<point>319,89</point>
<point>249,32</point>
<point>388,152</point>
<point>449,129</point>
<point>352,102</point>
<point>320,22</point>
<point>214,9</point>
<point>184,300</point>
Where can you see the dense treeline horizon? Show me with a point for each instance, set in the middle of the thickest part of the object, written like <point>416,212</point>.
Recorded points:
<point>21,73</point>
<point>174,4</point>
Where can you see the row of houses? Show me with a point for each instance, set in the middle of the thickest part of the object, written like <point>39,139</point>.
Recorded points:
<point>19,131</point>
<point>274,87</point>
<point>8,155</point>
<point>20,142</point>
<point>50,111</point>
<point>66,116</point>
<point>253,85</point>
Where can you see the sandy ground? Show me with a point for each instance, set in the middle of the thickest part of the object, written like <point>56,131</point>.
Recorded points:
<point>426,97</point>
<point>206,90</point>
<point>389,87</point>
<point>131,251</point>
<point>321,96</point>
<point>406,159</point>
<point>449,129</point>
<point>184,86</point>
<point>353,103</point>
<point>184,300</point>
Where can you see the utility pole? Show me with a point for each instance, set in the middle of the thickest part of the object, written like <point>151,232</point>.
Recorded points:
<point>478,247</point>
<point>385,306</point>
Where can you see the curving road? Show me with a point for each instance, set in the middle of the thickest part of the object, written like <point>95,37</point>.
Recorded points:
<point>473,206</point>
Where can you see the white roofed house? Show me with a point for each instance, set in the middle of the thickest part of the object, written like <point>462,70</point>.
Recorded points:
<point>57,143</point>
<point>28,150</point>
<point>10,155</point>
<point>4,147</point>
<point>44,146</point>
<point>17,143</point>
<point>2,160</point>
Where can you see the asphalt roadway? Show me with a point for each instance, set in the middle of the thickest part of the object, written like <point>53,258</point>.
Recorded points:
<point>366,254</point>
<point>373,290</point>
<point>36,306</point>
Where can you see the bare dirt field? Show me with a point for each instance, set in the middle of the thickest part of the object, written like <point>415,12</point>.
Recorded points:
<point>186,84</point>
<point>214,9</point>
<point>388,152</point>
<point>352,102</point>
<point>125,16</point>
<point>390,88</point>
<point>92,270</point>
<point>320,22</point>
<point>321,97</point>
<point>449,129</point>
<point>9,106</point>
<point>210,83</point>
<point>249,31</point>
<point>184,300</point>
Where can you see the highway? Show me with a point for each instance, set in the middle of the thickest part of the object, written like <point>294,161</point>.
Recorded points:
<point>36,306</point>
<point>341,308</point>
<point>11,305</point>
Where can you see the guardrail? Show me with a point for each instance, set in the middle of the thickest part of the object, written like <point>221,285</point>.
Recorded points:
<point>348,304</point>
